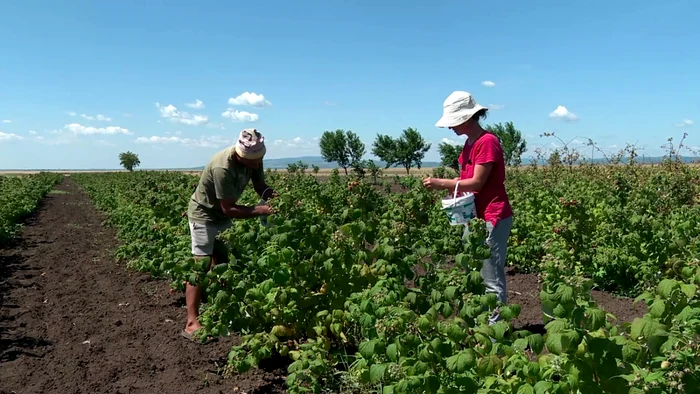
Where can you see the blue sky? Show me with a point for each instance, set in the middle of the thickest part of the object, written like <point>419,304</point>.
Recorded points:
<point>81,81</point>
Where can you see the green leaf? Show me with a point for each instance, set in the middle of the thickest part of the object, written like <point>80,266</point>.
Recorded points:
<point>461,361</point>
<point>376,372</point>
<point>536,343</point>
<point>688,289</point>
<point>447,310</point>
<point>462,260</point>
<point>499,330</point>
<point>560,311</point>
<point>489,365</point>
<point>455,333</point>
<point>507,313</point>
<point>542,387</point>
<point>665,287</point>
<point>555,326</point>
<point>392,352</point>
<point>520,344</point>
<point>658,308</point>
<point>630,350</point>
<point>557,343</point>
<point>526,389</point>
<point>432,384</point>
<point>596,317</point>
<point>450,292</point>
<point>367,349</point>
<point>388,389</point>
<point>565,294</point>
<point>644,327</point>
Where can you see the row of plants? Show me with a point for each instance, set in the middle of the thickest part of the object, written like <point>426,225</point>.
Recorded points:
<point>20,196</point>
<point>333,285</point>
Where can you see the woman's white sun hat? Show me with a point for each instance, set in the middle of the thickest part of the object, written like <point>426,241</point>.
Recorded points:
<point>458,108</point>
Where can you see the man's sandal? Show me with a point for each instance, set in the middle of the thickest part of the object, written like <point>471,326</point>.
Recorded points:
<point>191,337</point>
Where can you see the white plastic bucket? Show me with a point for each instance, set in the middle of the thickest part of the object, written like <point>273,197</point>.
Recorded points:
<point>459,210</point>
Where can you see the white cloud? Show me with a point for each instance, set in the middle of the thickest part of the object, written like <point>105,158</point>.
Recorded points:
<point>561,113</point>
<point>99,117</point>
<point>495,107</point>
<point>489,84</point>
<point>32,132</point>
<point>6,121</point>
<point>78,129</point>
<point>9,137</point>
<point>240,116</point>
<point>251,99</point>
<point>216,125</point>
<point>127,115</point>
<point>104,143</point>
<point>452,142</point>
<point>685,123</point>
<point>201,142</point>
<point>198,104</point>
<point>71,113</point>
<point>297,143</point>
<point>172,113</point>
<point>330,103</point>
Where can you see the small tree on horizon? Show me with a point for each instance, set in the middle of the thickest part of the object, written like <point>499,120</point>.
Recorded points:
<point>449,155</point>
<point>129,160</point>
<point>407,150</point>
<point>343,147</point>
<point>511,140</point>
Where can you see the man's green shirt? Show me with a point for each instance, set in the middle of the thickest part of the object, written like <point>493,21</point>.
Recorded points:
<point>223,178</point>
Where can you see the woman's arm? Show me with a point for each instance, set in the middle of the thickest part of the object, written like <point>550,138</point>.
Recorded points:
<point>473,184</point>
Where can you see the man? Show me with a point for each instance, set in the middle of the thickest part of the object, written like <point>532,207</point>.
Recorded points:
<point>214,204</point>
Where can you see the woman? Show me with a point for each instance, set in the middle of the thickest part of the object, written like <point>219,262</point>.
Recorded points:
<point>483,173</point>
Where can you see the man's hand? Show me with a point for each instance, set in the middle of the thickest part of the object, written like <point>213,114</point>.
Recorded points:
<point>264,210</point>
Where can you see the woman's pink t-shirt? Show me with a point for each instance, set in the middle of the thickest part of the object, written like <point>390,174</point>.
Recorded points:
<point>491,202</point>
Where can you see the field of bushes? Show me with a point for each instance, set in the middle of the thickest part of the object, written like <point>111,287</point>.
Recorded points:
<point>19,197</point>
<point>366,289</point>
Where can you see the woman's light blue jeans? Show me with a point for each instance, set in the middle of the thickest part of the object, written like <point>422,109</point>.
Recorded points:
<point>493,271</point>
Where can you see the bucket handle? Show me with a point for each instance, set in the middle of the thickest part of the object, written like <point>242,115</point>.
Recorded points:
<point>263,193</point>
<point>454,195</point>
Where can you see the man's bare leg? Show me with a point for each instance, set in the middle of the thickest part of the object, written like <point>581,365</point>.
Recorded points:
<point>193,298</point>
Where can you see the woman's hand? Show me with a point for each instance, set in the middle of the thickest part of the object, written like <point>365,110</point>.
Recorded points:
<point>433,183</point>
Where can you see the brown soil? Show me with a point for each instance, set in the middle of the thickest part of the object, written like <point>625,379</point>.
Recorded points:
<point>74,321</point>
<point>524,290</point>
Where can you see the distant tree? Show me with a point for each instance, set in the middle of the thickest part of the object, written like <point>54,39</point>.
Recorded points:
<point>333,146</point>
<point>407,150</point>
<point>129,160</point>
<point>449,155</point>
<point>315,169</point>
<point>356,148</point>
<point>342,147</point>
<point>511,139</point>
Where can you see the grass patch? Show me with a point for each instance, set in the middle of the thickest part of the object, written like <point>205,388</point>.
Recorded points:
<point>54,191</point>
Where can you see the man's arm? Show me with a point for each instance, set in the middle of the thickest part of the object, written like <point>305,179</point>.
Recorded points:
<point>233,210</point>
<point>226,193</point>
<point>260,186</point>
<point>263,189</point>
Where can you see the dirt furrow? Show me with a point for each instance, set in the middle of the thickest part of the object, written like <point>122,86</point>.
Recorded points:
<point>74,321</point>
